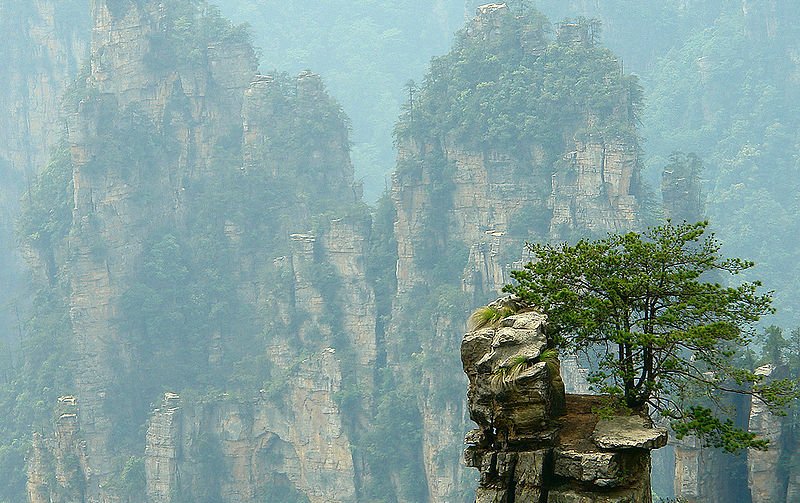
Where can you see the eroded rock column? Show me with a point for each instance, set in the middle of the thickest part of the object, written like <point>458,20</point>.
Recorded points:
<point>536,444</point>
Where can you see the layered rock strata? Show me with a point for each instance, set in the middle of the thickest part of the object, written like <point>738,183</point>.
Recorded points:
<point>536,444</point>
<point>498,197</point>
<point>45,45</point>
<point>127,86</point>
<point>180,112</point>
<point>59,466</point>
<point>463,213</point>
<point>301,447</point>
<point>703,474</point>
<point>39,61</point>
<point>773,474</point>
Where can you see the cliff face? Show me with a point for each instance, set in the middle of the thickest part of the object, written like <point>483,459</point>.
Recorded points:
<point>490,196</point>
<point>703,473</point>
<point>216,247</point>
<point>466,198</point>
<point>706,474</point>
<point>267,453</point>
<point>172,141</point>
<point>214,240</point>
<point>766,476</point>
<point>40,58</point>
<point>493,191</point>
<point>58,464</point>
<point>109,224</point>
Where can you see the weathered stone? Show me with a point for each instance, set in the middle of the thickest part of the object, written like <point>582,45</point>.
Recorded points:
<point>793,482</point>
<point>707,475</point>
<point>530,474</point>
<point>473,456</point>
<point>603,469</point>
<point>628,432</point>
<point>474,437</point>
<point>528,397</point>
<point>526,321</point>
<point>764,467</point>
<point>523,449</point>
<point>491,495</point>
<point>58,467</point>
<point>510,344</point>
<point>303,441</point>
<point>574,495</point>
<point>474,347</point>
<point>162,450</point>
<point>599,468</point>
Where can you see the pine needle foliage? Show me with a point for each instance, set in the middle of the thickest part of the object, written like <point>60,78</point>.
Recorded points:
<point>665,335</point>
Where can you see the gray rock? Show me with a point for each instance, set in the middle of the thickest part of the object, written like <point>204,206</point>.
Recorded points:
<point>530,472</point>
<point>572,495</point>
<point>599,468</point>
<point>603,469</point>
<point>628,432</point>
<point>516,445</point>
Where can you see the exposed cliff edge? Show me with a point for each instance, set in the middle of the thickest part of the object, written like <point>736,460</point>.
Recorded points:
<point>706,475</point>
<point>536,444</point>
<point>40,60</point>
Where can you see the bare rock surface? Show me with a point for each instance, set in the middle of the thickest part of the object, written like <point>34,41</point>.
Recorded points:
<point>628,432</point>
<point>764,467</point>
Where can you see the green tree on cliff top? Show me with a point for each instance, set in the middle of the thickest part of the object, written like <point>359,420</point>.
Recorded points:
<point>663,333</point>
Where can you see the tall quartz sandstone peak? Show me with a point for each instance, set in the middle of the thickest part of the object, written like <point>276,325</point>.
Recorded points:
<point>40,59</point>
<point>536,444</point>
<point>769,475</point>
<point>703,474</point>
<point>464,210</point>
<point>583,183</point>
<point>45,44</point>
<point>107,204</point>
<point>188,108</point>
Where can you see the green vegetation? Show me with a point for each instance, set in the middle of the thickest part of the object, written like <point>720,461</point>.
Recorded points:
<point>192,27</point>
<point>720,82</point>
<point>512,90</point>
<point>132,146</point>
<point>365,51</point>
<point>487,316</point>
<point>183,321</point>
<point>664,336</point>
<point>504,377</point>
<point>727,93</point>
<point>397,415</point>
<point>518,88</point>
<point>42,370</point>
<point>47,213</point>
<point>188,316</point>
